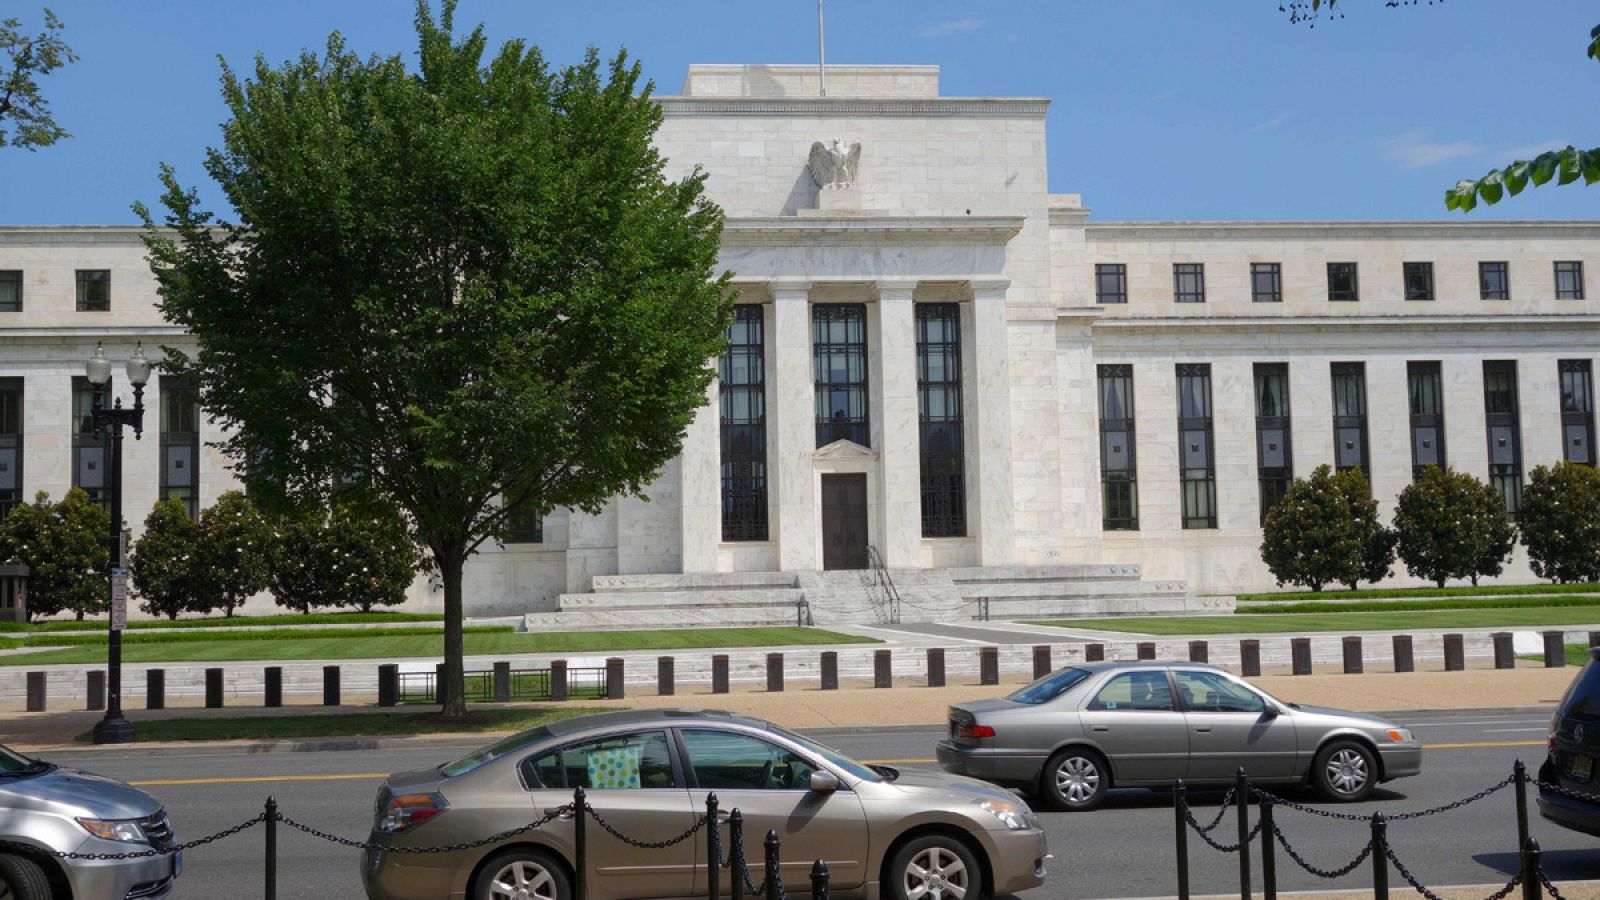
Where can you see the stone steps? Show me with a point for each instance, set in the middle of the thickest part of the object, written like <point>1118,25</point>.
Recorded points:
<point>1107,607</point>
<point>694,581</point>
<point>1073,590</point>
<point>603,618</point>
<point>787,597</point>
<point>1128,572</point>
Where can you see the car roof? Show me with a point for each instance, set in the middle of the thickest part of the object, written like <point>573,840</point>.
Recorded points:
<point>1113,665</point>
<point>663,717</point>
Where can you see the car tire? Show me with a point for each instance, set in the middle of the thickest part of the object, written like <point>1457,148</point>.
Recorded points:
<point>937,863</point>
<point>24,878</point>
<point>1345,771</point>
<point>536,871</point>
<point>1075,780</point>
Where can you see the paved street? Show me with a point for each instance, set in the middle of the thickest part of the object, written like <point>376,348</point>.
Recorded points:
<point>1122,850</point>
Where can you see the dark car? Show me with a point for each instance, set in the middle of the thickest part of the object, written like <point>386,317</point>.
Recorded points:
<point>1574,748</point>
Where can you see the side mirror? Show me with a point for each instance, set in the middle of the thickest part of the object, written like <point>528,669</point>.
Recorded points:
<point>824,782</point>
<point>1269,711</point>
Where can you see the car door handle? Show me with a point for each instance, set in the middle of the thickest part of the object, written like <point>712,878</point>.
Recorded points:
<point>1101,728</point>
<point>1203,730</point>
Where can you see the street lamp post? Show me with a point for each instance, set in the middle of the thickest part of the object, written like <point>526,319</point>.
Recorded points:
<point>108,421</point>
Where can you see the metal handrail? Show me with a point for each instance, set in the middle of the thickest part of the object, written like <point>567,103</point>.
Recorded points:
<point>886,581</point>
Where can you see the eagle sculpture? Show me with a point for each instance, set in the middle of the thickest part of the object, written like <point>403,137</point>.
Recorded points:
<point>834,165</point>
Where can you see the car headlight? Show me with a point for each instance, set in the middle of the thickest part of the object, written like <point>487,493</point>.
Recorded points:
<point>1016,816</point>
<point>111,830</point>
<point>1399,735</point>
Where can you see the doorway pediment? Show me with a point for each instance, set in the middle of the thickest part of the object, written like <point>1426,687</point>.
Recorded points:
<point>844,449</point>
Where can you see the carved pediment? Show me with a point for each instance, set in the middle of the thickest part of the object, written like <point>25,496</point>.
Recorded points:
<point>844,449</point>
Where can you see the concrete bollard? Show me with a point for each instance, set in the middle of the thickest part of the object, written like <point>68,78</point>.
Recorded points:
<point>95,694</point>
<point>213,689</point>
<point>330,686</point>
<point>614,684</point>
<point>719,673</point>
<point>388,684</point>
<point>36,692</point>
<point>830,670</point>
<point>558,679</point>
<point>1041,661</point>
<point>1199,652</point>
<point>1352,655</point>
<point>882,669</point>
<point>935,667</point>
<point>502,682</point>
<point>1250,657</point>
<point>1094,652</point>
<point>666,676</point>
<point>272,683</point>
<point>1455,655</point>
<point>1555,649</point>
<point>155,689</point>
<point>1404,658</point>
<point>1146,650</point>
<point>775,673</point>
<point>989,665</point>
<point>1504,656</point>
<point>1300,656</point>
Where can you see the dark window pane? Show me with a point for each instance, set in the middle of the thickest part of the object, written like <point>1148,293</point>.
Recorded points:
<point>1118,460</point>
<point>1342,281</point>
<point>1274,453</point>
<point>1494,281</point>
<point>1350,417</point>
<point>1569,281</point>
<point>944,495</point>
<point>94,290</point>
<point>744,427</point>
<point>10,290</point>
<point>839,349</point>
<point>1425,391</point>
<point>1196,463</point>
<point>1266,282</point>
<point>180,442</point>
<point>1419,280</point>
<point>1189,282</point>
<point>1504,430</point>
<point>1577,410</point>
<point>1111,283</point>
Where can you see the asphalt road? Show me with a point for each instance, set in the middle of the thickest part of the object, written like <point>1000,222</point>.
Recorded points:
<point>1124,849</point>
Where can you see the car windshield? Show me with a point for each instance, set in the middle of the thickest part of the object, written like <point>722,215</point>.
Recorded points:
<point>833,757</point>
<point>12,763</point>
<point>482,756</point>
<point>1049,687</point>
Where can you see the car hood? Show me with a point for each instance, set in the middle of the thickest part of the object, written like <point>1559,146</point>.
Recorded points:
<point>1354,718</point>
<point>923,781</point>
<point>79,792</point>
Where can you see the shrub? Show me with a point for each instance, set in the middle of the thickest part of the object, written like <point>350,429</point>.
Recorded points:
<point>1452,525</point>
<point>65,547</point>
<point>1377,542</point>
<point>164,562</point>
<point>1308,537</point>
<point>1560,522</point>
<point>361,555</point>
<point>235,543</point>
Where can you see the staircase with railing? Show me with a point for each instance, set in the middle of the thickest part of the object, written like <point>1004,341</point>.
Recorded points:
<point>885,584</point>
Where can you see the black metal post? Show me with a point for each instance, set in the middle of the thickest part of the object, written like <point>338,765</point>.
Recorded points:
<point>1269,852</point>
<point>1532,863</point>
<point>1179,799</point>
<point>108,423</point>
<point>819,880</point>
<point>1241,800</point>
<point>155,689</point>
<point>882,669</point>
<point>737,868</point>
<point>580,848</point>
<point>272,684</point>
<point>1519,784</point>
<point>774,883</point>
<point>1380,857</point>
<point>272,848</point>
<point>713,864</point>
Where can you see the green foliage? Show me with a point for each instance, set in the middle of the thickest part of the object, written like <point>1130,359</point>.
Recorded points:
<point>1326,530</point>
<point>227,624</point>
<point>469,288</point>
<point>165,562</point>
<point>1499,590</point>
<point>25,58</point>
<point>1560,522</point>
<point>1557,601</point>
<point>235,540</point>
<point>359,556</point>
<point>64,546</point>
<point>1452,525</point>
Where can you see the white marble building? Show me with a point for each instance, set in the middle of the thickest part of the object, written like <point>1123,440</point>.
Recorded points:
<point>963,413</point>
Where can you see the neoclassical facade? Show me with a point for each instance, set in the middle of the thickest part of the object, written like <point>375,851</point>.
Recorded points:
<point>941,367</point>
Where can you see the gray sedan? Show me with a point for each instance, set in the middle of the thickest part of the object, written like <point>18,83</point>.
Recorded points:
<point>1074,734</point>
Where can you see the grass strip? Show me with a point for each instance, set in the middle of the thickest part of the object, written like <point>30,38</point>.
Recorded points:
<point>1505,590</point>
<point>244,728</point>
<point>344,618</point>
<point>364,645</point>
<point>1340,621</point>
<point>1556,602</point>
<point>284,634</point>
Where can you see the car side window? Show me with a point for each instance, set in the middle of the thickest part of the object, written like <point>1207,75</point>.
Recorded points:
<point>728,760</point>
<point>622,762</point>
<point>1210,692</point>
<point>1135,691</point>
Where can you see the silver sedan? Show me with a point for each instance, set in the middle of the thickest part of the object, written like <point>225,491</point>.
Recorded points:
<point>1074,734</point>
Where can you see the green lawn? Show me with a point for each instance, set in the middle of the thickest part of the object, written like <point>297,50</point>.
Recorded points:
<point>366,646</point>
<point>348,618</point>
<point>1577,654</point>
<point>207,728</point>
<point>1544,602</point>
<point>1341,621</point>
<point>1464,591</point>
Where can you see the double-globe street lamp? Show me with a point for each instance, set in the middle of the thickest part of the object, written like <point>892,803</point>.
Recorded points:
<point>108,421</point>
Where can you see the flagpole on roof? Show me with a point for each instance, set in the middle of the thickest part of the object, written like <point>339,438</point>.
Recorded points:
<point>822,56</point>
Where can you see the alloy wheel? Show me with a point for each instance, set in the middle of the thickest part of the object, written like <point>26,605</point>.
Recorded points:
<point>522,879</point>
<point>1347,770</point>
<point>936,873</point>
<point>1077,779</point>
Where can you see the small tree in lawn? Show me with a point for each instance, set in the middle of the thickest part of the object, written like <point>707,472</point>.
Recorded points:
<point>301,574</point>
<point>374,558</point>
<point>1377,540</point>
<point>1560,522</point>
<point>235,540</point>
<point>1308,538</point>
<point>164,562</point>
<point>1452,525</point>
<point>64,546</point>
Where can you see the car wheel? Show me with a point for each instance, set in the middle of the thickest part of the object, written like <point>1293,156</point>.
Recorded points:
<point>1345,772</point>
<point>22,879</point>
<point>1075,780</point>
<point>522,874</point>
<point>935,868</point>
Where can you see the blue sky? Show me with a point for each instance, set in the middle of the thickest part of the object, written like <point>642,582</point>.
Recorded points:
<point>1163,109</point>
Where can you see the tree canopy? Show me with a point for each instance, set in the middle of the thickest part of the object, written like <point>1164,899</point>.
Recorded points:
<point>65,546</point>
<point>24,59</point>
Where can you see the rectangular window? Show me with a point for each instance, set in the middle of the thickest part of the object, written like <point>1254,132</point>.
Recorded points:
<point>10,444</point>
<point>743,406</point>
<point>1197,470</point>
<point>1418,277</point>
<point>839,352</point>
<point>944,490</point>
<point>1274,447</point>
<point>1425,387</point>
<point>10,290</point>
<point>1266,282</point>
<point>1577,410</point>
<point>1350,417</point>
<point>1494,281</point>
<point>180,442</point>
<point>1342,283</point>
<point>94,290</point>
<point>1119,487</point>
<point>89,457</point>
<point>1569,281</point>
<point>1504,428</point>
<point>524,526</point>
<point>1189,282</point>
<point>1110,283</point>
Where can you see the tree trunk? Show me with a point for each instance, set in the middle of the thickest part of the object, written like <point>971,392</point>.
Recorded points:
<point>452,698</point>
<point>1439,582</point>
<point>1474,578</point>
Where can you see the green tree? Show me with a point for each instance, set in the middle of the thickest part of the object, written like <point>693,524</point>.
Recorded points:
<point>164,561</point>
<point>470,289</point>
<point>1452,525</point>
<point>235,539</point>
<point>1308,537</point>
<point>375,560</point>
<point>1560,522</point>
<point>64,546</point>
<point>24,58</point>
<point>1377,541</point>
<point>301,575</point>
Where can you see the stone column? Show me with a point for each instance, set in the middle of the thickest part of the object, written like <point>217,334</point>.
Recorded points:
<point>989,424</point>
<point>894,404</point>
<point>701,486</point>
<point>791,429</point>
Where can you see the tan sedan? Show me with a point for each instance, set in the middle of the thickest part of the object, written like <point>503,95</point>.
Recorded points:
<point>882,832</point>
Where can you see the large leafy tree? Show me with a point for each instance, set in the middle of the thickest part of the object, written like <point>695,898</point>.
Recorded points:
<point>1560,522</point>
<point>1308,538</point>
<point>25,119</point>
<point>1452,525</point>
<point>165,561</point>
<point>469,288</point>
<point>235,539</point>
<point>65,547</point>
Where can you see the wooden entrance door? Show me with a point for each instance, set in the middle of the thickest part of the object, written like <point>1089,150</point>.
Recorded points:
<point>844,521</point>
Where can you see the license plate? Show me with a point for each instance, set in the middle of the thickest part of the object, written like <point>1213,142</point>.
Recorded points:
<point>1581,767</point>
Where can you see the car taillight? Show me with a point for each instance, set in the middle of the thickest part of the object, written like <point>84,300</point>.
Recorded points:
<point>968,730</point>
<point>407,810</point>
